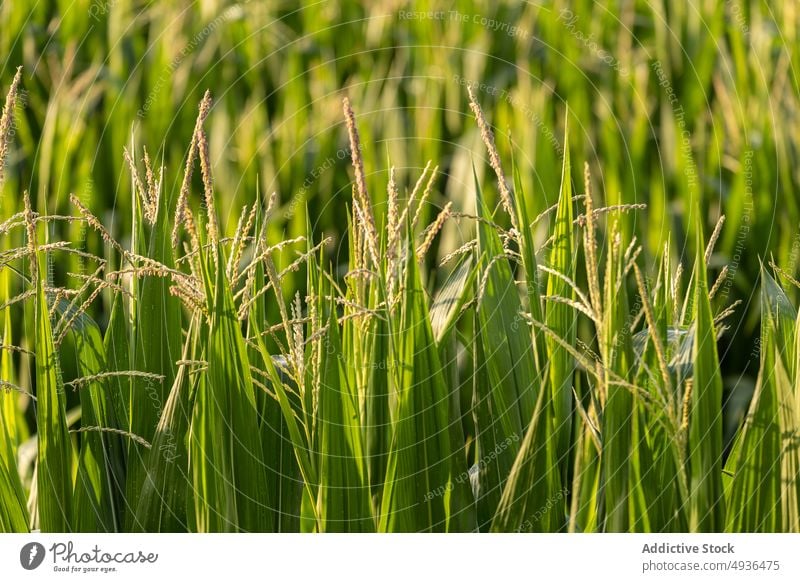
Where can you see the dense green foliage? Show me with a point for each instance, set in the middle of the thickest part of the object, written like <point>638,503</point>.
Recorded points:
<point>483,410</point>
<point>666,100</point>
<point>556,331</point>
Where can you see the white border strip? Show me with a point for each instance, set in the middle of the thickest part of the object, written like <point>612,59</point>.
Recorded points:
<point>411,557</point>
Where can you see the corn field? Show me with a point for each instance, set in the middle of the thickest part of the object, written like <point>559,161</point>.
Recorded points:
<point>516,351</point>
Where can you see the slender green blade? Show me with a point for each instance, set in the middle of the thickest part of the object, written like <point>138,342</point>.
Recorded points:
<point>296,430</point>
<point>225,445</point>
<point>505,397</point>
<point>54,457</point>
<point>163,504</point>
<point>586,490</point>
<point>99,486</point>
<point>13,509</point>
<point>618,412</point>
<point>426,472</point>
<point>753,491</point>
<point>761,469</point>
<point>451,297</point>
<point>368,357</point>
<point>559,317</point>
<point>530,265</point>
<point>706,501</point>
<point>532,499</point>
<point>343,497</point>
<point>156,342</point>
<point>284,479</point>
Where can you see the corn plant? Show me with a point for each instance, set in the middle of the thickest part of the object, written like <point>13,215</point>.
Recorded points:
<point>554,386</point>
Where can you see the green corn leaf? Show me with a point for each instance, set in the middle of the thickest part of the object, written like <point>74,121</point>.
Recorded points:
<point>343,497</point>
<point>706,503</point>
<point>532,500</point>
<point>427,474</point>
<point>54,458</point>
<point>658,480</point>
<point>530,265</point>
<point>778,317</point>
<point>587,498</point>
<point>100,482</point>
<point>225,446</point>
<point>365,344</point>
<point>505,397</point>
<point>450,299</point>
<point>753,491</point>
<point>284,479</point>
<point>790,436</point>
<point>561,318</point>
<point>157,341</point>
<point>368,356</point>
<point>13,509</point>
<point>297,433</point>
<point>117,347</point>
<point>761,472</point>
<point>617,354</point>
<point>163,505</point>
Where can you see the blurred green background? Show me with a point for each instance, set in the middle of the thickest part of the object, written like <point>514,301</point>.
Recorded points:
<point>665,100</point>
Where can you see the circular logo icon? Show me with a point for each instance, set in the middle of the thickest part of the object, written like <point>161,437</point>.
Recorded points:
<point>31,555</point>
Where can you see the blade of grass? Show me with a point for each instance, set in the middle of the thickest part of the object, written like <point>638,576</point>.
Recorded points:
<point>559,317</point>
<point>225,446</point>
<point>54,457</point>
<point>99,486</point>
<point>163,505</point>
<point>343,498</point>
<point>706,501</point>
<point>505,398</point>
<point>427,474</point>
